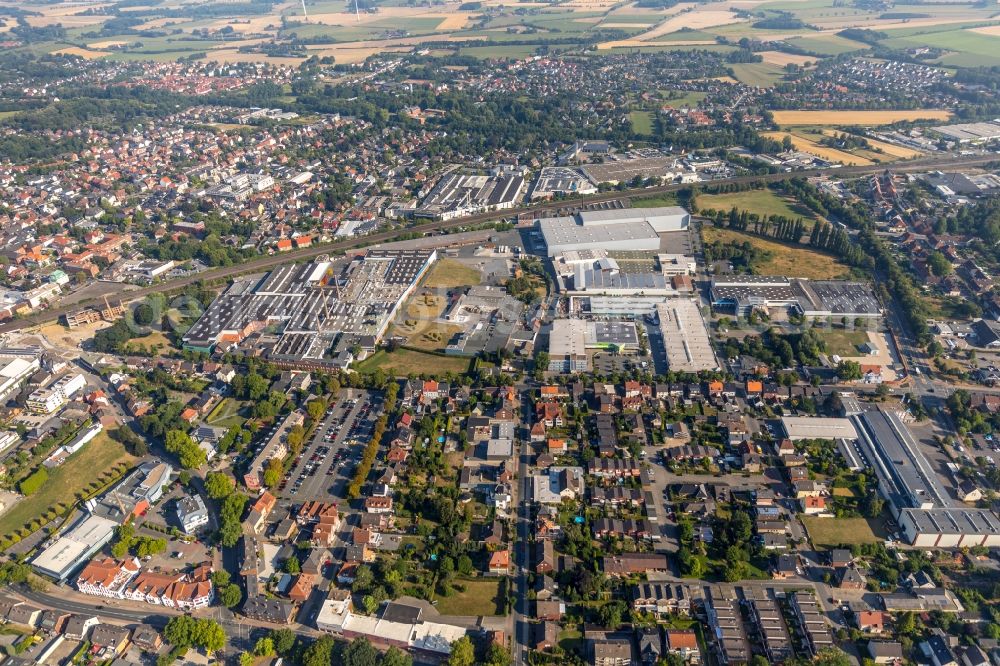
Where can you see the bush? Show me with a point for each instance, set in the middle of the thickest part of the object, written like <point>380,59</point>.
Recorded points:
<point>31,484</point>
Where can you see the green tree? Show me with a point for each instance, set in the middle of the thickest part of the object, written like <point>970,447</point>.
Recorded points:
<point>218,485</point>
<point>264,647</point>
<point>497,655</point>
<point>360,652</point>
<point>319,652</point>
<point>462,653</point>
<point>316,408</point>
<point>230,595</point>
<point>611,614</point>
<point>284,640</point>
<point>396,657</point>
<point>831,657</point>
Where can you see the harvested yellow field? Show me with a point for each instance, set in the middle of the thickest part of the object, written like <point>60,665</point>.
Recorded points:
<point>232,55</point>
<point>69,9</point>
<point>83,53</point>
<point>695,19</point>
<point>781,59</point>
<point>823,152</point>
<point>356,52</point>
<point>889,149</point>
<point>254,24</point>
<point>155,24</point>
<point>991,30</point>
<point>857,117</point>
<point>454,22</point>
<point>69,21</point>
<point>106,45</point>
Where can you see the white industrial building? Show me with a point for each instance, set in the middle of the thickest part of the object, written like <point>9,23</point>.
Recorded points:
<point>74,546</point>
<point>571,338</point>
<point>950,527</point>
<point>567,346</point>
<point>685,336</point>
<point>816,427</point>
<point>618,229</point>
<point>15,371</point>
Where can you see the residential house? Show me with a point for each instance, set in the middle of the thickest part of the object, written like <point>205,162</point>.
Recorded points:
<point>551,610</point>
<point>684,643</point>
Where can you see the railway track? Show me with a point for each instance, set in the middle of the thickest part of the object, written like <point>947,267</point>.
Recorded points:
<point>267,262</point>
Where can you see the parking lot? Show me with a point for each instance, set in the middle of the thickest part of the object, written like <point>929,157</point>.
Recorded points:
<point>324,467</point>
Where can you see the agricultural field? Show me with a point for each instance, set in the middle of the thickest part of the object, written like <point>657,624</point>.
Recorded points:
<point>807,145</point>
<point>788,118</point>
<point>510,51</point>
<point>782,59</point>
<point>762,202</point>
<point>828,45</point>
<point>968,47</point>
<point>784,259</point>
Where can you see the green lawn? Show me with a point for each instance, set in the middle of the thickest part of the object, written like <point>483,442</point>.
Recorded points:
<point>760,74</point>
<point>763,202</point>
<point>226,414</point>
<point>642,122</point>
<point>830,45</point>
<point>971,49</point>
<point>832,532</point>
<point>844,342</point>
<point>512,51</point>
<point>451,273</point>
<point>689,98</point>
<point>655,202</point>
<point>64,482</point>
<point>785,259</point>
<point>402,362</point>
<point>479,598</point>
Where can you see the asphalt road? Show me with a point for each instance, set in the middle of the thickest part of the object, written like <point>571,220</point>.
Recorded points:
<point>267,262</point>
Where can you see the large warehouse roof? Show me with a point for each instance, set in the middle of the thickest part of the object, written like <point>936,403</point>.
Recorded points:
<point>75,545</point>
<point>685,336</point>
<point>813,427</point>
<point>615,229</point>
